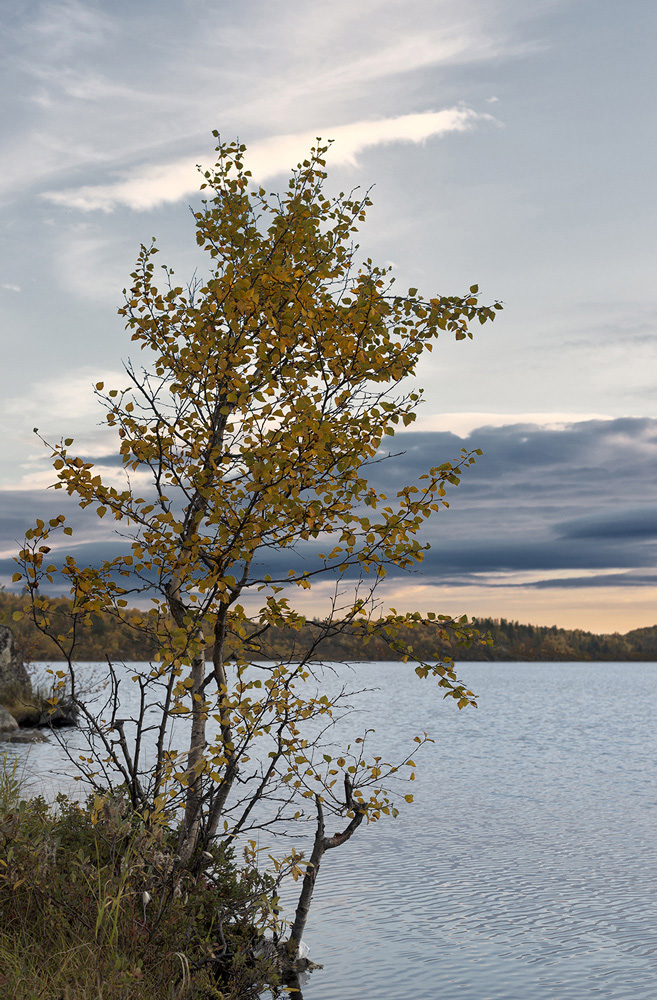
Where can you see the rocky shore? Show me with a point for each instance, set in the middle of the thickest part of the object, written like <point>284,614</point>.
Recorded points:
<point>23,713</point>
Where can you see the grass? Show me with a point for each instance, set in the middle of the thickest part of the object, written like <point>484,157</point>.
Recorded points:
<point>29,705</point>
<point>25,706</point>
<point>94,906</point>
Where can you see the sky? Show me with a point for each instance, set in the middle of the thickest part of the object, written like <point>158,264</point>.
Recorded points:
<point>508,144</point>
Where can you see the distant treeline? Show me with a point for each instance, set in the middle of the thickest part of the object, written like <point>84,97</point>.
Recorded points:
<point>510,641</point>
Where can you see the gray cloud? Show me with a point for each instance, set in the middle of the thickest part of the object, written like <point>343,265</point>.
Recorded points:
<point>603,580</point>
<point>538,501</point>
<point>639,523</point>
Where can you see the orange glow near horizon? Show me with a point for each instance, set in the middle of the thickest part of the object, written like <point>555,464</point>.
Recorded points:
<point>592,609</point>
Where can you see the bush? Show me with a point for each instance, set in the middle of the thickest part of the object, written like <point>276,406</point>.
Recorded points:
<point>25,705</point>
<point>94,904</point>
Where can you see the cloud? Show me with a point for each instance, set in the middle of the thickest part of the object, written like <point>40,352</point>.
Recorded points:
<point>91,264</point>
<point>601,609</point>
<point>98,90</point>
<point>59,405</point>
<point>540,501</point>
<point>628,579</point>
<point>633,523</point>
<point>155,184</point>
<point>412,51</point>
<point>463,424</point>
<point>10,288</point>
<point>539,509</point>
<point>65,398</point>
<point>68,26</point>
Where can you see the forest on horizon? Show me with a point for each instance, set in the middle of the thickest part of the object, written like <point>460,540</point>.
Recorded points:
<point>509,641</point>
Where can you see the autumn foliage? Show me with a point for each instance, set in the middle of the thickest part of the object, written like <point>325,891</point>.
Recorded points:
<point>267,388</point>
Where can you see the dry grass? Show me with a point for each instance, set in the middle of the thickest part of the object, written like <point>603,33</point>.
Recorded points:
<point>93,906</point>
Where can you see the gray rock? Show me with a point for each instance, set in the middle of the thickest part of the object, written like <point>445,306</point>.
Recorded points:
<point>7,722</point>
<point>12,668</point>
<point>27,736</point>
<point>63,715</point>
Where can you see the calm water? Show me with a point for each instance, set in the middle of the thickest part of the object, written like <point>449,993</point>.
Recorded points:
<point>527,866</point>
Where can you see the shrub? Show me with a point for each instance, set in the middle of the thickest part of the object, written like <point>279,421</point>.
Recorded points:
<point>94,904</point>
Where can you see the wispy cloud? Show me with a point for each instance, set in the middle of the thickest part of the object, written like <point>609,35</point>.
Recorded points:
<point>91,264</point>
<point>66,398</point>
<point>409,52</point>
<point>156,184</point>
<point>59,406</point>
<point>69,25</point>
<point>463,424</point>
<point>10,288</point>
<point>95,86</point>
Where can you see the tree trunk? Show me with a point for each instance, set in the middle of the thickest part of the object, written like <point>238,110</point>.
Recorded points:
<point>195,758</point>
<point>309,879</point>
<point>219,669</point>
<point>321,845</point>
<point>189,833</point>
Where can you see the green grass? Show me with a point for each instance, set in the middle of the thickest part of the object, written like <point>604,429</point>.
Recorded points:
<point>94,906</point>
<point>25,706</point>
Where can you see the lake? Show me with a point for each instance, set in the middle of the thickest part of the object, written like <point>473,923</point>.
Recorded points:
<point>525,869</point>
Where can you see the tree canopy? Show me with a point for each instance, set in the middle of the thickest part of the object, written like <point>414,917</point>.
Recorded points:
<point>267,388</point>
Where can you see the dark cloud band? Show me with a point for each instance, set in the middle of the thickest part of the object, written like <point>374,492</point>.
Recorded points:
<point>538,501</point>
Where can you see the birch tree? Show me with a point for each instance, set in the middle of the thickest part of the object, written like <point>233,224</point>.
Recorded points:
<point>266,390</point>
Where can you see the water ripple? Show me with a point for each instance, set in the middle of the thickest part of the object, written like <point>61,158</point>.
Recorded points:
<point>526,868</point>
